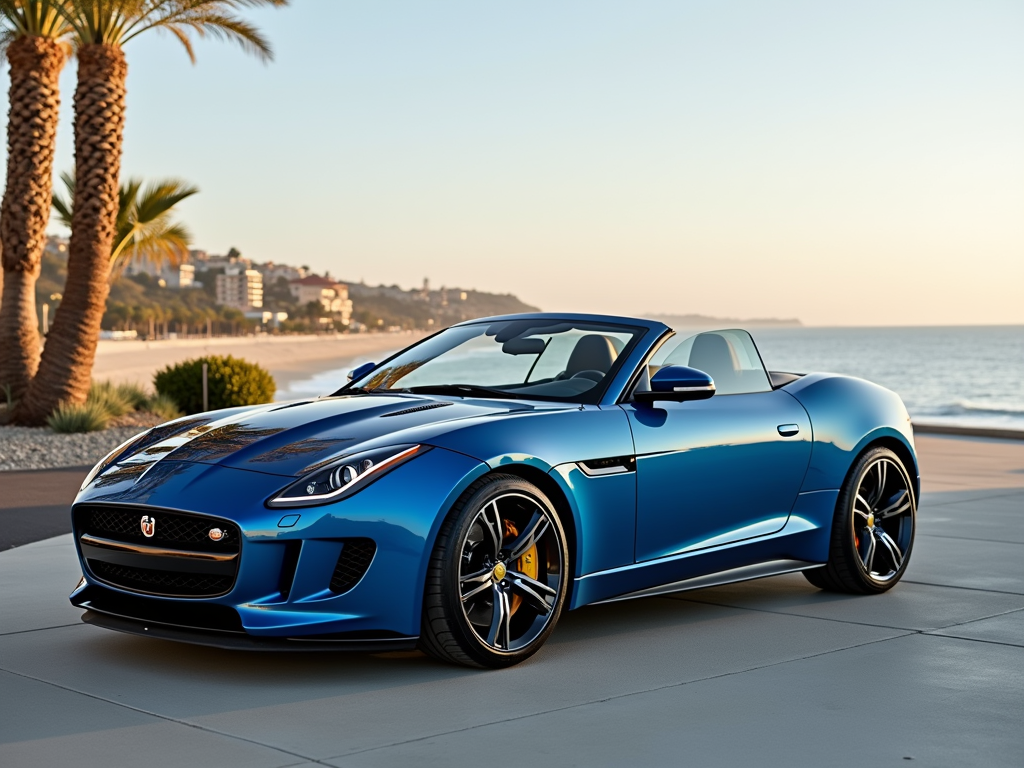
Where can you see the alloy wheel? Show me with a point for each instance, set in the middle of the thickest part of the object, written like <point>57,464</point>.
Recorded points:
<point>883,519</point>
<point>510,572</point>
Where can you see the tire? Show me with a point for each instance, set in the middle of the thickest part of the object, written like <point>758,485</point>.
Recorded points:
<point>498,576</point>
<point>873,529</point>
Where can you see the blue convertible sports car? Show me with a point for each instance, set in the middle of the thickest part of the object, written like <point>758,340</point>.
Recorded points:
<point>462,494</point>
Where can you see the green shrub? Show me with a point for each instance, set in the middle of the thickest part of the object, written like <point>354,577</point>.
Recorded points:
<point>91,416</point>
<point>114,399</point>
<point>163,406</point>
<point>134,394</point>
<point>231,380</point>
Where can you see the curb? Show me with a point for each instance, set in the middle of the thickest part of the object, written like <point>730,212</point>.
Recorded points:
<point>944,429</point>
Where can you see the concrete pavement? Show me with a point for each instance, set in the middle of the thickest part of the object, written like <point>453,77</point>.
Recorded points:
<point>771,672</point>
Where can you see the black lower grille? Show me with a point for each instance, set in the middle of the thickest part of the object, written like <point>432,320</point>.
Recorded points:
<point>356,556</point>
<point>161,582</point>
<point>205,616</point>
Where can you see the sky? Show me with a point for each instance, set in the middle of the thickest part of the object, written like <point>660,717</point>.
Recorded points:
<point>841,163</point>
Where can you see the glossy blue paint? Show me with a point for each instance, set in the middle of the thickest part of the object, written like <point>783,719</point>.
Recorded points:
<point>717,486</point>
<point>708,471</point>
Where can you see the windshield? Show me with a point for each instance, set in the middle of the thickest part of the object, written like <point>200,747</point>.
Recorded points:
<point>535,359</point>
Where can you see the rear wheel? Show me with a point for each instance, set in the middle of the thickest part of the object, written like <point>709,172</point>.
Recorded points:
<point>497,580</point>
<point>873,528</point>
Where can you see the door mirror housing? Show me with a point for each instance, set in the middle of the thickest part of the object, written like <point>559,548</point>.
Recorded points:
<point>361,371</point>
<point>678,383</point>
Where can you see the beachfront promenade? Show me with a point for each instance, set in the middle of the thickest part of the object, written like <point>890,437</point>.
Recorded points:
<point>771,672</point>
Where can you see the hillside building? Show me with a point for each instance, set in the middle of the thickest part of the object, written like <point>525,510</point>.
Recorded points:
<point>332,295</point>
<point>240,288</point>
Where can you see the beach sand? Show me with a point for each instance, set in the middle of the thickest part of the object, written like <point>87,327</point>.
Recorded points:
<point>288,358</point>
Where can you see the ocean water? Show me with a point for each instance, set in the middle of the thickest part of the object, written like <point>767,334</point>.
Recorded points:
<point>965,375</point>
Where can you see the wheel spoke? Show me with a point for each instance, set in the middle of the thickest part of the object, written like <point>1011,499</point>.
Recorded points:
<point>535,592</point>
<point>882,470</point>
<point>492,522</point>
<point>890,545</point>
<point>479,581</point>
<point>869,556</point>
<point>897,506</point>
<point>497,635</point>
<point>537,527</point>
<point>867,507</point>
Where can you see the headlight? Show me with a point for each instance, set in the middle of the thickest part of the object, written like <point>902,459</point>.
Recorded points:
<point>109,459</point>
<point>344,477</point>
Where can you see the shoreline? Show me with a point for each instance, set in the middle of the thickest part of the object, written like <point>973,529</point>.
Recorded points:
<point>287,358</point>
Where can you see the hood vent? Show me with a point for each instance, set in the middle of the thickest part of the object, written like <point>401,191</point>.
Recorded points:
<point>418,408</point>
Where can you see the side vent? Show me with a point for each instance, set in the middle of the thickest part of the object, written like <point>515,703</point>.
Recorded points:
<point>356,556</point>
<point>288,565</point>
<point>417,409</point>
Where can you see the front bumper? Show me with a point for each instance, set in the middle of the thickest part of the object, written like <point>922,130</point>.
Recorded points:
<point>110,609</point>
<point>400,513</point>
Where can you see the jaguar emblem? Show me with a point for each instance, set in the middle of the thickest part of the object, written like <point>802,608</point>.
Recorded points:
<point>148,525</point>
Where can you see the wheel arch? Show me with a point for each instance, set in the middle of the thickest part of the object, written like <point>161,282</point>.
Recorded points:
<point>559,500</point>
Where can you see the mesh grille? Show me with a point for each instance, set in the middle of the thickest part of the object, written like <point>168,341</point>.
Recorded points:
<point>353,563</point>
<point>180,531</point>
<point>162,582</point>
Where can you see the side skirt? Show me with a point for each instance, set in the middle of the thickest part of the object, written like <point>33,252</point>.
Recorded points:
<point>746,573</point>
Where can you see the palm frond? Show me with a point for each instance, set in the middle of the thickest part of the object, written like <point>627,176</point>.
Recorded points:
<point>38,18</point>
<point>115,22</point>
<point>65,207</point>
<point>145,229</point>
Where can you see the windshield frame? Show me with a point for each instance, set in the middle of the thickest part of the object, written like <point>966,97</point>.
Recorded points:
<point>592,396</point>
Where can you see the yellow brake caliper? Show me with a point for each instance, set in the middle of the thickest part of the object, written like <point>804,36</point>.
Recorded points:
<point>527,564</point>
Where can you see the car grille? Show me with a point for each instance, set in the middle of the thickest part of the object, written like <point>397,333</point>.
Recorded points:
<point>123,523</point>
<point>149,580</point>
<point>356,556</point>
<point>178,560</point>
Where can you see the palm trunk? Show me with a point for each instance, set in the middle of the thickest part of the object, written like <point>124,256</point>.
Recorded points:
<point>65,370</point>
<point>36,63</point>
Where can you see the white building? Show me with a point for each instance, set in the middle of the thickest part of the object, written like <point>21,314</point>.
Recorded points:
<point>240,288</point>
<point>272,272</point>
<point>331,295</point>
<point>182,276</point>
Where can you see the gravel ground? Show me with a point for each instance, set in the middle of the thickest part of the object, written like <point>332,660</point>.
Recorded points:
<point>42,448</point>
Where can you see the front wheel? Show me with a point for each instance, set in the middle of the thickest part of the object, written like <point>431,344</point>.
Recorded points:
<point>497,579</point>
<point>873,528</point>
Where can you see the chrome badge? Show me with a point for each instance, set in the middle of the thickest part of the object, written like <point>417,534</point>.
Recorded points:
<point>148,525</point>
<point>216,534</point>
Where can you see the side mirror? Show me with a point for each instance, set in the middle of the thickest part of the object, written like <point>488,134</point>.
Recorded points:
<point>361,371</point>
<point>678,383</point>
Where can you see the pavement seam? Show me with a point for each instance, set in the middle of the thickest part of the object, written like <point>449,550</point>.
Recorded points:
<point>935,633</point>
<point>968,538</point>
<point>302,758</point>
<point>986,497</point>
<point>655,689</point>
<point>838,621</point>
<point>37,629</point>
<point>969,589</point>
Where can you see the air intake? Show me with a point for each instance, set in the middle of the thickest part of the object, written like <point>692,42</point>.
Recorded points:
<point>356,556</point>
<point>417,409</point>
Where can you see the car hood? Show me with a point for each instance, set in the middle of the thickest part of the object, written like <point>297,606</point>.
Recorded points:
<point>288,438</point>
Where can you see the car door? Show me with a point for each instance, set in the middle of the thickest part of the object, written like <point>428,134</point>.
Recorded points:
<point>721,470</point>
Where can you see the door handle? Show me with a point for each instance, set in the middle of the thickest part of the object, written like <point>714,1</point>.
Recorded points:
<point>788,430</point>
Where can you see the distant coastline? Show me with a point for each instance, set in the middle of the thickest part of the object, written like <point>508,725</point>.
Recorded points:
<point>706,321</point>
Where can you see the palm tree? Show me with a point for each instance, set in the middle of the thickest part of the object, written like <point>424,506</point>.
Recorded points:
<point>99,30</point>
<point>32,36</point>
<point>145,231</point>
